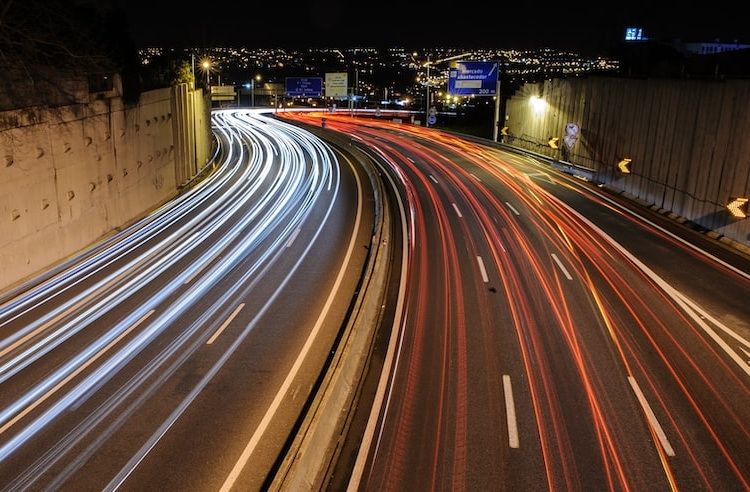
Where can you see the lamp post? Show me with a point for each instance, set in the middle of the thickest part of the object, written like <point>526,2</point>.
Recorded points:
<point>252,93</point>
<point>427,103</point>
<point>207,68</point>
<point>192,67</point>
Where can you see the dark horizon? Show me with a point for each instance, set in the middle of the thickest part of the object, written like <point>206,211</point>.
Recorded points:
<point>593,29</point>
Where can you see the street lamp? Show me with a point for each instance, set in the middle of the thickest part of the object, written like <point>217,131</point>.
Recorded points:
<point>427,87</point>
<point>252,94</point>
<point>206,65</point>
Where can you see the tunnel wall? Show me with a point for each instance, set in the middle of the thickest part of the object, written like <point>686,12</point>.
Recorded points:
<point>71,174</point>
<point>689,141</point>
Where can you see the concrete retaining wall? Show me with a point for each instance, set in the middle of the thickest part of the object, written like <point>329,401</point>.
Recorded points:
<point>71,174</point>
<point>689,141</point>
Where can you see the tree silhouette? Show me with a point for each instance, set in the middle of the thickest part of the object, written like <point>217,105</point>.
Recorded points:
<point>49,48</point>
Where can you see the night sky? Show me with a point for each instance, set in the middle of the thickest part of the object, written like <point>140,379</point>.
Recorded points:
<point>285,23</point>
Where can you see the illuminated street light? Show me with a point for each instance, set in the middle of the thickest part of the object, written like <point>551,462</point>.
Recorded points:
<point>257,78</point>
<point>206,65</point>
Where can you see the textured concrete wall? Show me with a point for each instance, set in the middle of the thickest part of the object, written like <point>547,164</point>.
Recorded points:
<point>689,141</point>
<point>191,127</point>
<point>71,174</point>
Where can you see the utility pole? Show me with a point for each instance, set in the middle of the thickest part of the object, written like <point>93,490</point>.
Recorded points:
<point>252,92</point>
<point>356,87</point>
<point>498,100</point>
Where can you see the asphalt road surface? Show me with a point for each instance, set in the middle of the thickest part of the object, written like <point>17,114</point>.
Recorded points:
<point>553,337</point>
<point>178,353</point>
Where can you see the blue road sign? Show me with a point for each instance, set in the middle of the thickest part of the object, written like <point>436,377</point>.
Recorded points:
<point>304,86</point>
<point>473,78</point>
<point>432,119</point>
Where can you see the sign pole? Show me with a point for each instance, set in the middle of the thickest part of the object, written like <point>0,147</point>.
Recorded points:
<point>427,104</point>
<point>497,105</point>
<point>355,91</point>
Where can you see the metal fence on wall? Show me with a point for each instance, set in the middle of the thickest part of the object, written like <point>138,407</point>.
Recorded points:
<point>688,140</point>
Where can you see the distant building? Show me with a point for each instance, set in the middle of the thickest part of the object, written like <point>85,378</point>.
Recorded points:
<point>635,34</point>
<point>641,56</point>
<point>710,48</point>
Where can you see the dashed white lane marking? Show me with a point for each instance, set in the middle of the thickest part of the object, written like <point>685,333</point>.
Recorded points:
<point>225,324</point>
<point>513,209</point>
<point>294,236</point>
<point>482,270</point>
<point>651,417</point>
<point>562,267</point>
<point>510,412</point>
<point>455,207</point>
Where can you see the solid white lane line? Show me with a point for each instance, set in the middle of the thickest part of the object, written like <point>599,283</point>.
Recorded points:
<point>455,207</point>
<point>73,374</point>
<point>510,412</point>
<point>392,356</point>
<point>651,417</point>
<point>476,177</point>
<point>482,270</point>
<point>654,225</point>
<point>562,267</point>
<point>433,179</point>
<point>294,236</point>
<point>674,236</point>
<point>291,376</point>
<point>513,208</point>
<point>746,353</point>
<point>691,308</point>
<point>225,324</point>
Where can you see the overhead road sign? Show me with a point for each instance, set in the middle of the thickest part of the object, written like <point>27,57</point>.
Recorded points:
<point>469,78</point>
<point>223,93</point>
<point>337,84</point>
<point>304,87</point>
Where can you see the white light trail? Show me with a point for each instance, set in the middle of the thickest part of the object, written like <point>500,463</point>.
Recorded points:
<point>246,212</point>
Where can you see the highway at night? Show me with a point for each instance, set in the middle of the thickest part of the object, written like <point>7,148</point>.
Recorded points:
<point>180,351</point>
<point>536,332</point>
<point>552,336</point>
<point>314,246</point>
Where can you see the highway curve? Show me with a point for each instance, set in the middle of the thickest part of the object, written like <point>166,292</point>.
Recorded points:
<point>552,337</point>
<point>178,353</point>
